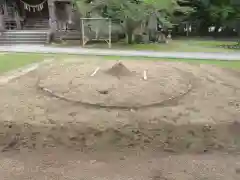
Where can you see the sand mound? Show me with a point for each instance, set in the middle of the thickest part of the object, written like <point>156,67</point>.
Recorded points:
<point>119,70</point>
<point>180,107</point>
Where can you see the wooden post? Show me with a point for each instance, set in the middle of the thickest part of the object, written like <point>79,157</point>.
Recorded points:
<point>83,34</point>
<point>52,16</point>
<point>110,34</point>
<point>18,20</point>
<point>5,9</point>
<point>2,22</point>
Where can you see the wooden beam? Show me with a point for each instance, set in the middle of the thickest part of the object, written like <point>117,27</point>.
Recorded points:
<point>52,15</point>
<point>2,27</point>
<point>83,33</point>
<point>110,33</point>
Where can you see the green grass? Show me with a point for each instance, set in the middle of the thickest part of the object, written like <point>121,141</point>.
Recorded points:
<point>10,61</point>
<point>185,45</point>
<point>211,43</point>
<point>220,63</point>
<point>226,64</point>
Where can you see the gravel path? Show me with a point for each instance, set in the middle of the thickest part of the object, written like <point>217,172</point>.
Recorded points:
<point>108,52</point>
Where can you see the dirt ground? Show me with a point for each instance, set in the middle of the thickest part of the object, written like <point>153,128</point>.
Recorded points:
<point>95,125</point>
<point>68,165</point>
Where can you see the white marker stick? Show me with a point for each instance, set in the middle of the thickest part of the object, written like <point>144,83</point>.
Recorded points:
<point>145,75</point>
<point>96,70</point>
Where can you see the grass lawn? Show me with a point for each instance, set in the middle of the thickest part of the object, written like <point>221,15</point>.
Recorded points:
<point>181,45</point>
<point>10,61</point>
<point>226,64</point>
<point>220,63</point>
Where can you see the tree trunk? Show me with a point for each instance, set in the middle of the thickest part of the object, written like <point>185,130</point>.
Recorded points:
<point>216,30</point>
<point>238,31</point>
<point>130,26</point>
<point>129,36</point>
<point>203,29</point>
<point>161,38</point>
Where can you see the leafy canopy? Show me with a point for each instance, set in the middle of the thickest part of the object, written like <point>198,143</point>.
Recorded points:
<point>134,10</point>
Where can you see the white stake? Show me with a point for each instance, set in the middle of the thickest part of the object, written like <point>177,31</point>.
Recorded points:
<point>145,75</point>
<point>96,70</point>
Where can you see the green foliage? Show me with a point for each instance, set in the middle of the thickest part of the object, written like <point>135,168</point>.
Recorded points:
<point>134,10</point>
<point>221,10</point>
<point>218,13</point>
<point>130,14</point>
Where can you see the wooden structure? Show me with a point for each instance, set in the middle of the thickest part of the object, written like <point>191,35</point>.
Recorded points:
<point>96,36</point>
<point>54,17</point>
<point>42,21</point>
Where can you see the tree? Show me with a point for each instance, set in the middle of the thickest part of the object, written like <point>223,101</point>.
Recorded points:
<point>236,18</point>
<point>215,13</point>
<point>132,13</point>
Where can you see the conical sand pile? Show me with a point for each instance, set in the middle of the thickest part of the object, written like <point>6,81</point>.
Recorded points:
<point>119,70</point>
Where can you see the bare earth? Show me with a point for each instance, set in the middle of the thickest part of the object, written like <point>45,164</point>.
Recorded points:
<point>59,122</point>
<point>68,165</point>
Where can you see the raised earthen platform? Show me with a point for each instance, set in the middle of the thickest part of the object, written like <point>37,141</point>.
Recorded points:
<point>179,107</point>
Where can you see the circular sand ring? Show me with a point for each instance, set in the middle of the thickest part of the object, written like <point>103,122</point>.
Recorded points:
<point>116,87</point>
